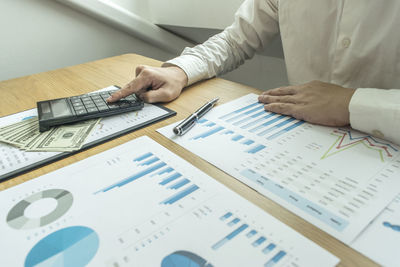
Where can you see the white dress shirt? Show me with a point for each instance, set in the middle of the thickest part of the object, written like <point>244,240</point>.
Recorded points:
<point>352,43</point>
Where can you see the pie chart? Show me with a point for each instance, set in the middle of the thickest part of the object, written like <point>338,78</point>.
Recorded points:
<point>17,218</point>
<point>184,258</point>
<point>71,246</point>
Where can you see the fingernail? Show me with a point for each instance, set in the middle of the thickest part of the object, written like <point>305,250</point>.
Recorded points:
<point>109,99</point>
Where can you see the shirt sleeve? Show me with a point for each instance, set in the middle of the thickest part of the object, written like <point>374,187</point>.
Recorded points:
<point>255,25</point>
<point>377,112</point>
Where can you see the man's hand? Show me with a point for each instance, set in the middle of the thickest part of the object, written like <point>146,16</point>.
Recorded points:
<point>154,84</point>
<point>316,102</point>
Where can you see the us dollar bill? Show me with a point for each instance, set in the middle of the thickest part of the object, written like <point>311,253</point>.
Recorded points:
<point>25,137</point>
<point>19,138</point>
<point>10,131</point>
<point>69,137</point>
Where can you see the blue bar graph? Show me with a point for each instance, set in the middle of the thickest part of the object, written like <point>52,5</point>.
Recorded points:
<point>210,124</point>
<point>202,120</point>
<point>275,259</point>
<point>149,162</point>
<point>267,123</point>
<point>237,137</point>
<point>251,233</point>
<point>258,120</point>
<point>170,178</point>
<point>178,196</point>
<point>179,184</point>
<point>234,221</point>
<point>287,129</point>
<point>134,177</point>
<point>142,157</point>
<point>226,216</point>
<point>166,170</point>
<point>279,125</point>
<point>255,149</point>
<point>250,117</point>
<point>244,114</point>
<point>239,110</point>
<point>258,242</point>
<point>208,133</point>
<point>228,132</point>
<point>247,142</point>
<point>229,237</point>
<point>269,248</point>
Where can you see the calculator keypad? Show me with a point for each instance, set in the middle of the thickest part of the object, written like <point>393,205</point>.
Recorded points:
<point>96,102</point>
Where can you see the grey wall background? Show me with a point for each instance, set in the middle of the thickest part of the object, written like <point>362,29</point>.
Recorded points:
<point>42,35</point>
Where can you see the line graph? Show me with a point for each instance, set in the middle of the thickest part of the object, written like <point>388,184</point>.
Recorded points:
<point>346,140</point>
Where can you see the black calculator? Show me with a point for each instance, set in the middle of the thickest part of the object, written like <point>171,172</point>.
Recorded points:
<point>83,107</point>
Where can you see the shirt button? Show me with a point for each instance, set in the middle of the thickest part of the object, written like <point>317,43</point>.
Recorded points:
<point>378,133</point>
<point>346,42</point>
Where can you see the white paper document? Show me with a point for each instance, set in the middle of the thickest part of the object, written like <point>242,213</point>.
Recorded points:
<point>381,240</point>
<point>335,178</point>
<point>140,205</point>
<point>13,159</point>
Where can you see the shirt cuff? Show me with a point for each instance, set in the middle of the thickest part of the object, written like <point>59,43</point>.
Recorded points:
<point>194,67</point>
<point>376,111</point>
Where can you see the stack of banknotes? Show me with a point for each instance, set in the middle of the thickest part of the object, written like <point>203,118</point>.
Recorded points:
<point>65,138</point>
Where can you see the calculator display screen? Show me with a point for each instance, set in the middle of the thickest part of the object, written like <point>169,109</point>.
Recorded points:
<point>60,108</point>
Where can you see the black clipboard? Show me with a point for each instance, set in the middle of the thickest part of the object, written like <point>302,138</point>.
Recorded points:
<point>61,155</point>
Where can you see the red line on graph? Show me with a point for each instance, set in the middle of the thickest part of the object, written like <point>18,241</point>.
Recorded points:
<point>339,146</point>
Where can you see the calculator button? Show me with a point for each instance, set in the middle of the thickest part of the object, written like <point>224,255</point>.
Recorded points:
<point>99,102</point>
<point>113,106</point>
<point>87,103</point>
<point>130,97</point>
<point>91,105</point>
<point>79,108</point>
<point>75,101</point>
<point>96,97</point>
<point>102,108</point>
<point>77,104</point>
<point>92,110</point>
<point>105,97</point>
<point>81,112</point>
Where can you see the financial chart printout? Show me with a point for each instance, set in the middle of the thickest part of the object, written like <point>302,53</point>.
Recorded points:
<point>336,178</point>
<point>380,241</point>
<point>13,159</point>
<point>140,205</point>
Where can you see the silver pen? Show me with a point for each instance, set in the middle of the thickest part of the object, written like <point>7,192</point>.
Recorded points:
<point>189,122</point>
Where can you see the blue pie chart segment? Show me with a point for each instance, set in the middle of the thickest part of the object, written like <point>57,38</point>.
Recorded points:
<point>71,246</point>
<point>184,258</point>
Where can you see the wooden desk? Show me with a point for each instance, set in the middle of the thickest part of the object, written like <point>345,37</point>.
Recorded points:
<point>22,93</point>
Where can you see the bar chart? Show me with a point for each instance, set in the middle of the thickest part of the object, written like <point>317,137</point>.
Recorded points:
<point>307,168</point>
<point>218,236</point>
<point>252,237</point>
<point>151,166</point>
<point>139,204</point>
<point>216,133</point>
<point>256,120</point>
